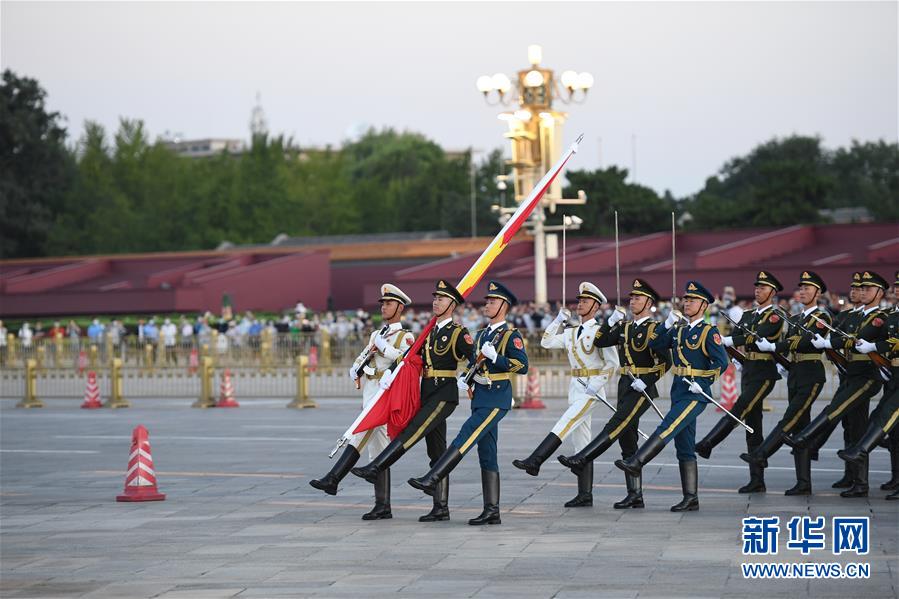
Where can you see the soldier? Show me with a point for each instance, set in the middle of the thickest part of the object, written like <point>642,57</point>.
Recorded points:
<point>500,355</point>
<point>886,415</point>
<point>447,344</point>
<point>641,369</point>
<point>384,347</point>
<point>804,382</point>
<point>862,380</point>
<point>760,373</point>
<point>698,359</point>
<point>590,366</point>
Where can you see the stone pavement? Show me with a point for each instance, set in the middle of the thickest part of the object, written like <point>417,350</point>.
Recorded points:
<point>241,520</point>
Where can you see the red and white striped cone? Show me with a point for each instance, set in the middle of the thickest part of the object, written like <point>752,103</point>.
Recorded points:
<point>729,392</point>
<point>92,393</point>
<point>532,393</point>
<point>140,480</point>
<point>226,398</point>
<point>193,363</point>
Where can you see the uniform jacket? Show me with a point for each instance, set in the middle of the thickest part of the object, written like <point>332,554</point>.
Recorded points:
<point>633,343</point>
<point>583,354</point>
<point>443,350</point>
<point>698,346</point>
<point>511,359</point>
<point>765,324</point>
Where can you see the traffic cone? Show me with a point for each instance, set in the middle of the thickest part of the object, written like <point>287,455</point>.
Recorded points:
<point>226,398</point>
<point>728,388</point>
<point>140,480</point>
<point>82,361</point>
<point>193,363</point>
<point>532,393</point>
<point>92,393</point>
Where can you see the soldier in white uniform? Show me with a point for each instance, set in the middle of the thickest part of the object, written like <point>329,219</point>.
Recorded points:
<point>384,347</point>
<point>591,366</point>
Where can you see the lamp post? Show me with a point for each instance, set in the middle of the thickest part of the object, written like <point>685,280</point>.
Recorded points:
<point>535,132</point>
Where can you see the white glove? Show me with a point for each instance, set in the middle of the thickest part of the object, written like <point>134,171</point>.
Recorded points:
<point>821,343</point>
<point>384,383</point>
<point>460,382</point>
<point>482,380</point>
<point>695,388</point>
<point>865,347</point>
<point>489,351</point>
<point>638,385</point>
<point>369,370</point>
<point>563,316</point>
<point>736,364</point>
<point>728,341</point>
<point>671,320</point>
<point>782,371</point>
<point>380,343</point>
<point>616,317</point>
<point>594,388</point>
<point>353,375</point>
<point>765,345</point>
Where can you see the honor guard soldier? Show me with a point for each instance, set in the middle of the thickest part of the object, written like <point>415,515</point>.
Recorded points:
<point>698,359</point>
<point>760,373</point>
<point>591,368</point>
<point>384,347</point>
<point>641,368</point>
<point>500,355</point>
<point>804,381</point>
<point>885,416</point>
<point>862,380</point>
<point>447,344</point>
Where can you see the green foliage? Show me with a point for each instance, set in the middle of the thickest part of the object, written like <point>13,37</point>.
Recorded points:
<point>35,168</point>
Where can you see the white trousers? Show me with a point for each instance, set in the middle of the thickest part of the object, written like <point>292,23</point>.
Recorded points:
<point>374,439</point>
<point>576,421</point>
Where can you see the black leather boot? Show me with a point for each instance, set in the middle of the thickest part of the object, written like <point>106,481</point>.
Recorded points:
<point>490,489</point>
<point>892,496</point>
<point>756,482</point>
<point>532,463</point>
<point>634,464</point>
<point>381,511</point>
<point>715,436</point>
<point>859,452</point>
<point>804,437</point>
<point>759,456</point>
<point>803,461</point>
<point>593,450</point>
<point>440,511</point>
<point>634,497</point>
<point>848,476</point>
<point>584,497</point>
<point>689,481</point>
<point>444,465</point>
<point>328,483</point>
<point>893,446</point>
<point>383,461</point>
<point>859,486</point>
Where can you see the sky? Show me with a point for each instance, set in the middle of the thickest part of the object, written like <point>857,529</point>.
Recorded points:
<point>680,87</point>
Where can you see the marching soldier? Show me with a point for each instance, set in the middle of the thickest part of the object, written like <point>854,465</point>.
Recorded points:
<point>500,355</point>
<point>862,380</point>
<point>698,359</point>
<point>886,415</point>
<point>447,344</point>
<point>384,347</point>
<point>804,382</point>
<point>641,368</point>
<point>591,368</point>
<point>760,373</point>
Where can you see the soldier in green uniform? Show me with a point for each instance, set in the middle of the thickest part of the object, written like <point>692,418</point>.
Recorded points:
<point>641,368</point>
<point>448,344</point>
<point>760,373</point>
<point>804,382</point>
<point>885,416</point>
<point>862,376</point>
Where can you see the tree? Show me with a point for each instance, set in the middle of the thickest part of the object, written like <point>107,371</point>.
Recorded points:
<point>867,174</point>
<point>36,170</point>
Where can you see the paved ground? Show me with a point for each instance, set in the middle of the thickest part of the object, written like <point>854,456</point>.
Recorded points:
<point>241,520</point>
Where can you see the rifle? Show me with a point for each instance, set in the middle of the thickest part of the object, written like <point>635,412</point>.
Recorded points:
<point>367,355</point>
<point>883,365</point>
<point>836,358</point>
<point>779,358</point>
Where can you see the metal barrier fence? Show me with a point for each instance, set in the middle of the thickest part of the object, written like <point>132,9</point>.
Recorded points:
<point>322,382</point>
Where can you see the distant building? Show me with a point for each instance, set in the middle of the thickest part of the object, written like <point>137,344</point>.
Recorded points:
<point>203,148</point>
<point>843,216</point>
